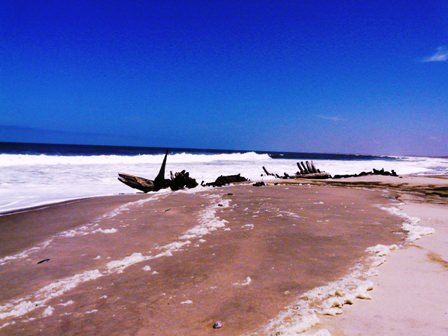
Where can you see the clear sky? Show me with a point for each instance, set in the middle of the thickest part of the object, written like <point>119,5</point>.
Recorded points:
<point>320,76</point>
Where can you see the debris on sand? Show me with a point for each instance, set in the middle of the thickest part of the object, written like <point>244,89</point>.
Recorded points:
<point>43,261</point>
<point>217,325</point>
<point>223,180</point>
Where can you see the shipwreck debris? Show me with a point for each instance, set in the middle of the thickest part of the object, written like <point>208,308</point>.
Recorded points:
<point>181,180</point>
<point>223,180</point>
<point>43,261</point>
<point>217,325</point>
<point>136,182</point>
<point>373,172</point>
<point>178,181</point>
<point>307,169</point>
<point>160,182</point>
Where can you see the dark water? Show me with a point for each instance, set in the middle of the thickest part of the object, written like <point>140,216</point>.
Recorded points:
<point>71,150</point>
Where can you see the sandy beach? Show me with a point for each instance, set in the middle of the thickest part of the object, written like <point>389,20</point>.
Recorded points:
<point>228,168</point>
<point>312,257</point>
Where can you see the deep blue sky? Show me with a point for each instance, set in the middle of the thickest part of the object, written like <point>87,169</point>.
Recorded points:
<point>321,76</point>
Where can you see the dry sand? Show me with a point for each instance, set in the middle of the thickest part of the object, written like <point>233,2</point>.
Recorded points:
<point>410,296</point>
<point>174,263</point>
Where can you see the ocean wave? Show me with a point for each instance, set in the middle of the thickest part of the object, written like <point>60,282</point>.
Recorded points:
<point>8,160</point>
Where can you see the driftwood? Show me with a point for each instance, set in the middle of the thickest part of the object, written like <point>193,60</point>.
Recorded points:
<point>309,170</point>
<point>182,180</point>
<point>43,261</point>
<point>270,174</point>
<point>373,172</point>
<point>160,182</point>
<point>322,175</point>
<point>178,180</point>
<point>223,180</point>
<point>306,170</point>
<point>136,182</point>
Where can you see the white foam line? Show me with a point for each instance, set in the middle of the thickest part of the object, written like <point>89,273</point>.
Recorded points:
<point>67,303</point>
<point>410,225</point>
<point>208,222</point>
<point>290,214</point>
<point>299,317</point>
<point>248,226</point>
<point>39,299</point>
<point>90,228</point>
<point>246,282</point>
<point>329,299</point>
<point>48,311</point>
<point>22,306</point>
<point>93,311</point>
<point>26,253</point>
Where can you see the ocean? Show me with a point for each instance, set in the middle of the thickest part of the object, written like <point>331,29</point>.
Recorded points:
<point>36,174</point>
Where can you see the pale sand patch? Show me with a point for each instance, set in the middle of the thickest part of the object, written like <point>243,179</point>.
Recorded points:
<point>410,296</point>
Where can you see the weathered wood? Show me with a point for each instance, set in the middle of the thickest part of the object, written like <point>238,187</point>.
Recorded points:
<point>177,181</point>
<point>266,172</point>
<point>300,168</point>
<point>223,180</point>
<point>160,182</point>
<point>304,168</point>
<point>182,180</point>
<point>373,172</point>
<point>315,176</point>
<point>309,170</point>
<point>136,182</point>
<point>308,165</point>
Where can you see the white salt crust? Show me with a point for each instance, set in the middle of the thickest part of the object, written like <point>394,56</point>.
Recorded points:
<point>93,311</point>
<point>68,303</point>
<point>248,226</point>
<point>246,282</point>
<point>208,223</point>
<point>48,311</point>
<point>304,314</point>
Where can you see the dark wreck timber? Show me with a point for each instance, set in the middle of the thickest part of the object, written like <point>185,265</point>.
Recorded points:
<point>308,170</point>
<point>136,182</point>
<point>177,181</point>
<point>373,172</point>
<point>223,180</point>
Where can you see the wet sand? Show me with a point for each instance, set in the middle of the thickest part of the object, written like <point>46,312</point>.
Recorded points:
<point>174,263</point>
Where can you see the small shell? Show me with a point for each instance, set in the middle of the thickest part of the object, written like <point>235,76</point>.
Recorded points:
<point>217,325</point>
